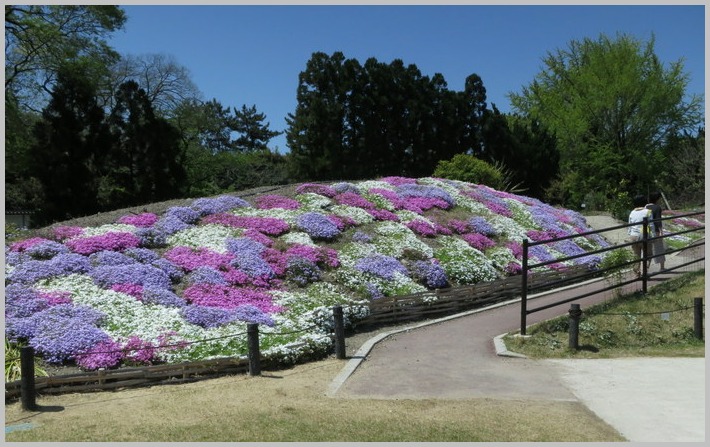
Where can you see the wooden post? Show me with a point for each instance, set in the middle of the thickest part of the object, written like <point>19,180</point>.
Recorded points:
<point>574,314</point>
<point>698,317</point>
<point>524,291</point>
<point>253,345</point>
<point>339,332</point>
<point>27,378</point>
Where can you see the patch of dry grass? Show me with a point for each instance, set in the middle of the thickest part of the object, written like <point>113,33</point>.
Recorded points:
<point>291,405</point>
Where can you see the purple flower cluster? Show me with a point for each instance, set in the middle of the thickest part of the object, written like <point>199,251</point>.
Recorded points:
<point>478,241</point>
<point>134,290</point>
<point>207,316</point>
<point>46,250</point>
<point>430,274</point>
<point>182,214</point>
<point>317,226</point>
<point>253,265</point>
<point>137,351</point>
<point>303,271</point>
<point>142,220</point>
<point>266,225</point>
<point>362,237</point>
<point>105,354</point>
<point>220,204</point>
<point>206,275</point>
<point>115,241</point>
<point>253,314</point>
<point>271,201</point>
<point>106,257</point>
<point>161,297</point>
<point>381,265</point>
<point>344,187</point>
<point>383,215</point>
<point>323,256</point>
<point>27,243</point>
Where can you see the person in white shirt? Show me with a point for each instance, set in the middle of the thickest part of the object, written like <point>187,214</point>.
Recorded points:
<point>636,216</point>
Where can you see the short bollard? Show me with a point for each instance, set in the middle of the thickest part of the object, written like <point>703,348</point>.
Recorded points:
<point>698,317</point>
<point>27,378</point>
<point>253,346</point>
<point>574,315</point>
<point>339,332</point>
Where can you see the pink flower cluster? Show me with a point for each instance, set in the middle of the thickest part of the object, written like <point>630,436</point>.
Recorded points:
<point>54,298</point>
<point>226,297</point>
<point>478,241</point>
<point>352,199</point>
<point>114,241</point>
<point>317,255</point>
<point>266,225</point>
<point>143,220</point>
<point>190,259</point>
<point>134,290</point>
<point>27,243</point>
<point>398,181</point>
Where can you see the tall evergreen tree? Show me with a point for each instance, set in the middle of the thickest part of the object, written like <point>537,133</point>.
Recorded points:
<point>70,142</point>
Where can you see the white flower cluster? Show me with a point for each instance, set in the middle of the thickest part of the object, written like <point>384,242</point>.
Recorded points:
<point>396,238</point>
<point>521,213</point>
<point>297,237</point>
<point>508,228</point>
<point>359,215</point>
<point>312,202</point>
<point>210,236</point>
<point>463,263</point>
<point>105,229</point>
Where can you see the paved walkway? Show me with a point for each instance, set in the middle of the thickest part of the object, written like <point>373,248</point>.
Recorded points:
<point>463,357</point>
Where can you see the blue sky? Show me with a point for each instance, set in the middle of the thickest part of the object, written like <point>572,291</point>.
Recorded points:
<point>240,54</point>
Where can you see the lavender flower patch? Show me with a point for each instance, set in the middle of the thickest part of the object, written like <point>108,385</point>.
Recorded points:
<point>427,192</point>
<point>161,297</point>
<point>21,302</point>
<point>380,265</point>
<point>541,253</point>
<point>244,245</point>
<point>362,237</point>
<point>108,258</point>
<point>142,255</point>
<point>174,272</point>
<point>46,250</point>
<point>253,265</point>
<point>268,202</point>
<point>344,187</point>
<point>206,316</point>
<point>142,220</point>
<point>220,204</point>
<point>32,271</point>
<point>481,225</point>
<point>182,214</point>
<point>115,241</point>
<point>317,226</point>
<point>302,271</point>
<point>430,274</point>
<point>140,274</point>
<point>252,314</point>
<point>206,275</point>
<point>315,188</point>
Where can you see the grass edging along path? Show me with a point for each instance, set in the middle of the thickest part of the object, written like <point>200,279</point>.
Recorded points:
<point>657,324</point>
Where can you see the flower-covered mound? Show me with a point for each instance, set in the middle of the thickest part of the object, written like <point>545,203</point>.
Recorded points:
<point>183,285</point>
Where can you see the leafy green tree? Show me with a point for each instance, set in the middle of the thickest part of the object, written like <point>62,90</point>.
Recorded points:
<point>255,135</point>
<point>468,168</point>
<point>22,191</point>
<point>71,139</point>
<point>145,163</point>
<point>40,39</point>
<point>612,105</point>
<point>683,181</point>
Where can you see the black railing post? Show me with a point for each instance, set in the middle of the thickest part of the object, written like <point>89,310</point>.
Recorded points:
<point>698,317</point>
<point>524,292</point>
<point>574,315</point>
<point>27,378</point>
<point>253,346</point>
<point>339,332</point>
<point>644,256</point>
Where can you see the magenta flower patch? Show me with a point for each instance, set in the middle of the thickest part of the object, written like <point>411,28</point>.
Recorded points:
<point>190,259</point>
<point>215,295</point>
<point>115,241</point>
<point>383,215</point>
<point>353,199</point>
<point>27,243</point>
<point>398,181</point>
<point>134,290</point>
<point>478,241</point>
<point>422,228</point>
<point>65,232</point>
